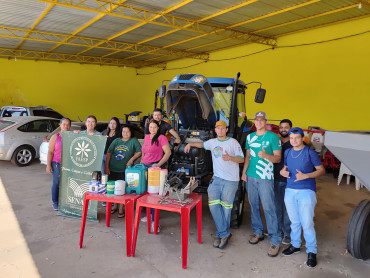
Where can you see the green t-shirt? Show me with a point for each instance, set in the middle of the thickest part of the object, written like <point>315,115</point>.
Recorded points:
<point>258,167</point>
<point>122,152</point>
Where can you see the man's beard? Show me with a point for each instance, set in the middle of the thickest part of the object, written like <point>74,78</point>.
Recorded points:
<point>284,135</point>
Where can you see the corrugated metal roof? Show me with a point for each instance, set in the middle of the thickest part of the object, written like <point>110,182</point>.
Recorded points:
<point>143,32</point>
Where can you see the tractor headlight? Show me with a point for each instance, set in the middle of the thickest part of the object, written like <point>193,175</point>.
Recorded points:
<point>174,79</point>
<point>198,79</point>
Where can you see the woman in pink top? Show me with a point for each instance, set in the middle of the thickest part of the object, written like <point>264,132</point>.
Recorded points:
<point>155,153</point>
<point>54,159</point>
<point>156,149</point>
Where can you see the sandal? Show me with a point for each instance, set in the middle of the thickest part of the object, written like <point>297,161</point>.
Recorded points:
<point>113,211</point>
<point>121,215</point>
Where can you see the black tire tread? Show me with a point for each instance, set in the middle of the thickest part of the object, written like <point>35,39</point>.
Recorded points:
<point>359,231</point>
<point>351,228</point>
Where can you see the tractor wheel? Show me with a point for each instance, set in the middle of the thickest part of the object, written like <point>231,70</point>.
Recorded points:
<point>238,207</point>
<point>358,231</point>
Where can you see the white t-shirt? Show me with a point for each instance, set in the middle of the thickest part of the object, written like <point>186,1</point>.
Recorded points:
<point>226,170</point>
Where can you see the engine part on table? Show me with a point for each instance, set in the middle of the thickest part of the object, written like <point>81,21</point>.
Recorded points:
<point>167,200</point>
<point>180,192</point>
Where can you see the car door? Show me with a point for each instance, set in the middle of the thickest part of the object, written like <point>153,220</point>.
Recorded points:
<point>35,131</point>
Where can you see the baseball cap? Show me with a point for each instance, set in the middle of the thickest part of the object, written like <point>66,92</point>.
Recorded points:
<point>296,130</point>
<point>260,114</point>
<point>222,123</point>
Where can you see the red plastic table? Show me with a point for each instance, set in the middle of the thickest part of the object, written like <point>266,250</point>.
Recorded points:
<point>128,200</point>
<point>151,201</point>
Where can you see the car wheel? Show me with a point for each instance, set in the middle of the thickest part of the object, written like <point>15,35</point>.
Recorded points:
<point>23,156</point>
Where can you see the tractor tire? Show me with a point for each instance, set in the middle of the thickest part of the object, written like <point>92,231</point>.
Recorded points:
<point>358,231</point>
<point>23,156</point>
<point>238,207</point>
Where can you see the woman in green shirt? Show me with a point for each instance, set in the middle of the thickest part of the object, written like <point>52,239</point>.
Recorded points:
<point>121,153</point>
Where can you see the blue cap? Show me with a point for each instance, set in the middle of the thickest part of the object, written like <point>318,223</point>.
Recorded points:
<point>296,130</point>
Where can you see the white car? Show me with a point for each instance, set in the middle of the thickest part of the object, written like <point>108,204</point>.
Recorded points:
<point>21,137</point>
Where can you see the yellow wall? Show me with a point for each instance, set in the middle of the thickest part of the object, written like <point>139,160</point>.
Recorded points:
<point>325,85</point>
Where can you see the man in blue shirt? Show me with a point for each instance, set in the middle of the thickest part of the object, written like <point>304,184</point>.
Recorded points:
<point>301,166</point>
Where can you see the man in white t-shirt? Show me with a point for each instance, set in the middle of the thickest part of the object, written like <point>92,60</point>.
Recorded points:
<point>226,156</point>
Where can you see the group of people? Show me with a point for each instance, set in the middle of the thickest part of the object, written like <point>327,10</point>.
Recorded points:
<point>278,172</point>
<point>121,149</point>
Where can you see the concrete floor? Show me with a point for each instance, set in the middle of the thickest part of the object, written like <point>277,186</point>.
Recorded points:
<point>53,240</point>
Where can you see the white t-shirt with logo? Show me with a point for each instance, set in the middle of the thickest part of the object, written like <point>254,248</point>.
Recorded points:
<point>226,170</point>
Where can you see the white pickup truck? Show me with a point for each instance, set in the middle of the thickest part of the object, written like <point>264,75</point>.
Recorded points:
<point>40,111</point>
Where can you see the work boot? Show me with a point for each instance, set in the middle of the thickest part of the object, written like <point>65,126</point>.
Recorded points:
<point>273,251</point>
<point>291,250</point>
<point>254,239</point>
<point>217,242</point>
<point>311,260</point>
<point>224,241</point>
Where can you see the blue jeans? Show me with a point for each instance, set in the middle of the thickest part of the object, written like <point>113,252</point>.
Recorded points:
<point>281,213</point>
<point>300,204</point>
<point>221,194</point>
<point>55,187</point>
<point>260,189</point>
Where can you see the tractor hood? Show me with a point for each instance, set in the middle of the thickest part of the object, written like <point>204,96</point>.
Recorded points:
<point>190,96</point>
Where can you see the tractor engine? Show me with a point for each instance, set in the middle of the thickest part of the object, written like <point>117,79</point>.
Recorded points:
<point>198,162</point>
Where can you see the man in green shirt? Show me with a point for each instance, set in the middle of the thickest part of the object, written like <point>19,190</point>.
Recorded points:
<point>263,150</point>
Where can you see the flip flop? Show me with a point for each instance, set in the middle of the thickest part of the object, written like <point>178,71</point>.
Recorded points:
<point>113,211</point>
<point>121,215</point>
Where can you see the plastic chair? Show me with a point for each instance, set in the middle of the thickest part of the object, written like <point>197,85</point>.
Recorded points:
<point>345,171</point>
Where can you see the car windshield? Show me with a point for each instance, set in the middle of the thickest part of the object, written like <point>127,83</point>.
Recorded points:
<point>5,124</point>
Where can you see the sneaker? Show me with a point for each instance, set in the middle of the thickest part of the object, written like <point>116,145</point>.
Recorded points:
<point>254,239</point>
<point>224,241</point>
<point>158,229</point>
<point>291,250</point>
<point>273,251</point>
<point>311,260</point>
<point>144,219</point>
<point>286,240</point>
<point>217,242</point>
<point>55,206</point>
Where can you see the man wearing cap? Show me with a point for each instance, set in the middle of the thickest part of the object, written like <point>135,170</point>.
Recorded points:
<point>301,166</point>
<point>226,156</point>
<point>280,183</point>
<point>263,149</point>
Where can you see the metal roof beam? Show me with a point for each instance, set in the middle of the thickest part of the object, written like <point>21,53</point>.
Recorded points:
<point>25,34</point>
<point>87,24</point>
<point>143,15</point>
<point>143,23</point>
<point>306,18</point>
<point>36,23</point>
<point>200,20</point>
<point>40,55</point>
<point>238,24</point>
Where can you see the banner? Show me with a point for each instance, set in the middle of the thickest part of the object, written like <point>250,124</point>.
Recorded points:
<point>81,155</point>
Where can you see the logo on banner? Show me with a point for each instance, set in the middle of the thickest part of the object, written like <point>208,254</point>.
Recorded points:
<point>83,152</point>
<point>76,190</point>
